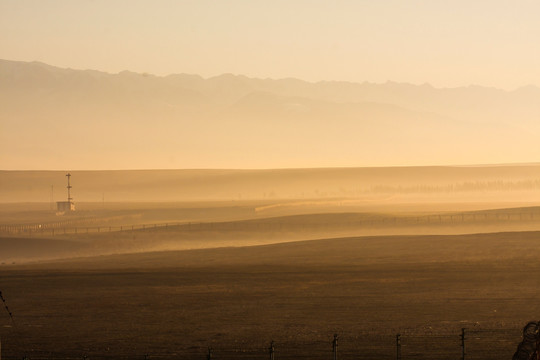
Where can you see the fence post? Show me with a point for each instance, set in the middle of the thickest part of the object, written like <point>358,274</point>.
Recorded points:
<point>398,347</point>
<point>462,343</point>
<point>334,346</point>
<point>271,350</point>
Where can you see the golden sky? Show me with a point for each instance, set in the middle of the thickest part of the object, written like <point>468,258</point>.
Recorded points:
<point>444,43</point>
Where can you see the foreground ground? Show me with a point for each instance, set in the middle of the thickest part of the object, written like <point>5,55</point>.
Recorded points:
<point>236,300</point>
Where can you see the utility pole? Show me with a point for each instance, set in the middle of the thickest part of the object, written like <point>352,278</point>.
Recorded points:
<point>398,347</point>
<point>334,346</point>
<point>462,343</point>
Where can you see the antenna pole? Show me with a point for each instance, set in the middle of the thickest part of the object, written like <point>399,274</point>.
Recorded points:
<point>69,187</point>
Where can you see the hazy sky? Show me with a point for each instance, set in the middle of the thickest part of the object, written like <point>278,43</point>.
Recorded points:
<point>445,43</point>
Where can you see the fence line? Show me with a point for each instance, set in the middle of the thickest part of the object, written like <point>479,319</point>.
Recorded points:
<point>464,345</point>
<point>64,228</point>
<point>70,223</point>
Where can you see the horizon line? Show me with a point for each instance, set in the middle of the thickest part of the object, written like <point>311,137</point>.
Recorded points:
<point>387,82</point>
<point>285,168</point>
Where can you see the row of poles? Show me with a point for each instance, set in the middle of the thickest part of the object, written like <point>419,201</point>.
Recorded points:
<point>271,349</point>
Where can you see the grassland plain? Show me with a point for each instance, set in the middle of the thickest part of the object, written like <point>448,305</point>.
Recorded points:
<point>236,300</point>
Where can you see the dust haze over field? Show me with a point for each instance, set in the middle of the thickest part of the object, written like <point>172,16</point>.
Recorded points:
<point>237,258</point>
<point>248,172</point>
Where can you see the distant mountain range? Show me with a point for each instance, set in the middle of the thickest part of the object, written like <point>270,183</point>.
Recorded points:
<point>53,118</point>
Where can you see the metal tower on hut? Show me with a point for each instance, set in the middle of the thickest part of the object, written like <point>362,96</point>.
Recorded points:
<point>69,205</point>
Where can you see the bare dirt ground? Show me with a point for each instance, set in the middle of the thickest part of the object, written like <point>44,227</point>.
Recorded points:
<point>175,304</point>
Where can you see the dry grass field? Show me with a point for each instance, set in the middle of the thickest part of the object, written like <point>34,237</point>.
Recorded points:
<point>168,280</point>
<point>175,304</point>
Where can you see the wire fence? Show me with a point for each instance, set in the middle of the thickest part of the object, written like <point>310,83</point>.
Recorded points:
<point>269,224</point>
<point>469,344</point>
